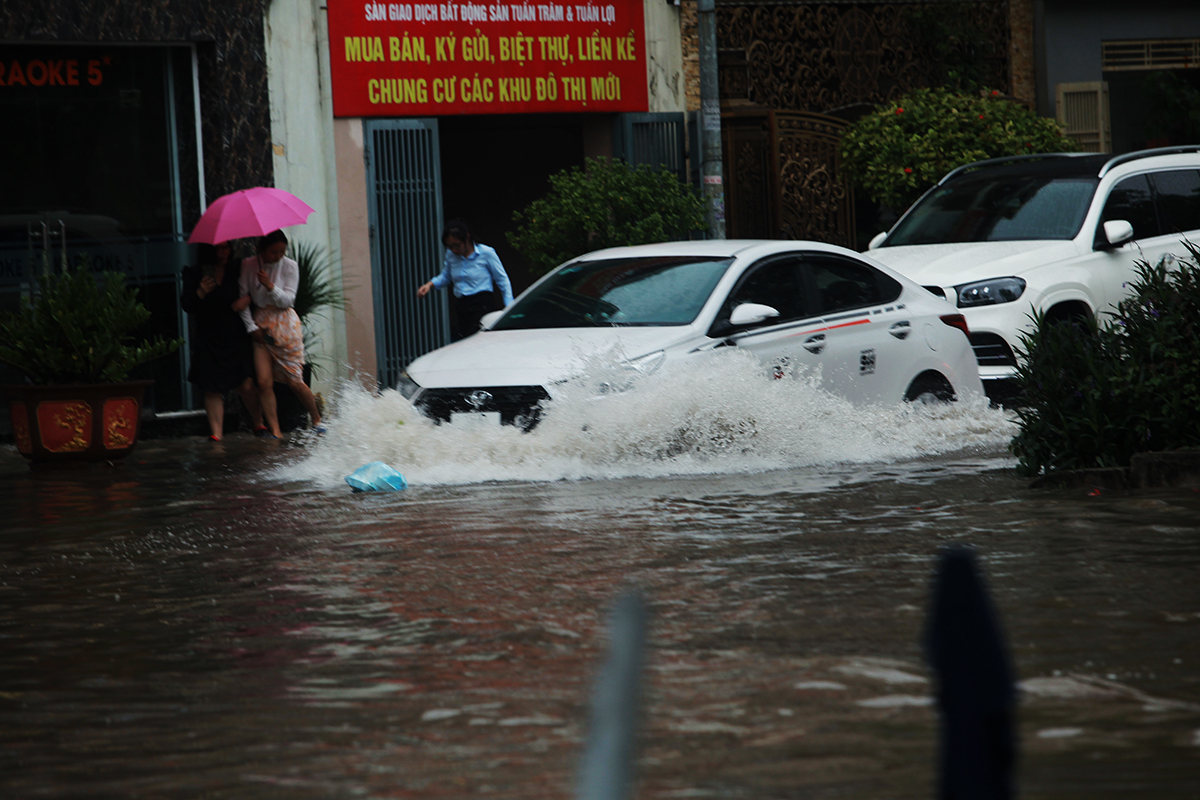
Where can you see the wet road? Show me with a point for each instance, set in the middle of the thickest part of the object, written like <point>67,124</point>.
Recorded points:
<point>190,625</point>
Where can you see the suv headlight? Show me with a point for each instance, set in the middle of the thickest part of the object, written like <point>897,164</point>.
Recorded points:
<point>989,292</point>
<point>407,386</point>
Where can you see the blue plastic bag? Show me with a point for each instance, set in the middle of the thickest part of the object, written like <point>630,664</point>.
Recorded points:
<point>376,477</point>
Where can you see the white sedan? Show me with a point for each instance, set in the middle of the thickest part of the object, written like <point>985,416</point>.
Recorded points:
<point>803,308</point>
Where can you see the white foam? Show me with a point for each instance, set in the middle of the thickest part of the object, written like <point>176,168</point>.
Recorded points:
<point>718,415</point>
<point>884,674</point>
<point>896,701</point>
<point>436,714</point>
<point>1059,733</point>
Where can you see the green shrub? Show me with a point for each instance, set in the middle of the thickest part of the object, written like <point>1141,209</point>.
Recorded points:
<point>606,203</point>
<point>317,292</point>
<point>900,150</point>
<point>79,330</point>
<point>1093,396</point>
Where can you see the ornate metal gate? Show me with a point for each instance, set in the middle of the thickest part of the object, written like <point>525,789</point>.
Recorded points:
<point>782,168</point>
<point>815,200</point>
<point>752,171</point>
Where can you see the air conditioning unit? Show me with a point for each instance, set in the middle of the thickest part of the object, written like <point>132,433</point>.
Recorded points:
<point>1083,113</point>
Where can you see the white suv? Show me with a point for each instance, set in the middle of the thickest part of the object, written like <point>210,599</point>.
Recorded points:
<point>1059,233</point>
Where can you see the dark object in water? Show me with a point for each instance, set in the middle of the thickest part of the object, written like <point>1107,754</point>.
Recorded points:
<point>975,692</point>
<point>606,770</point>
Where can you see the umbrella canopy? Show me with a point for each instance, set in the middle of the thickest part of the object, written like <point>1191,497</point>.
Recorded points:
<point>250,212</point>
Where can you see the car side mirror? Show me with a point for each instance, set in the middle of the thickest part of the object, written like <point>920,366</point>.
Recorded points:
<point>751,313</point>
<point>1117,232</point>
<point>489,319</point>
<point>876,240</point>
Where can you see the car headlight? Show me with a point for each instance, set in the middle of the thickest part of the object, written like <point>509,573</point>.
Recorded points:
<point>646,364</point>
<point>407,386</point>
<point>989,292</point>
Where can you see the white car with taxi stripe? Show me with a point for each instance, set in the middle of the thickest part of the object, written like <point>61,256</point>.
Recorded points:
<point>802,308</point>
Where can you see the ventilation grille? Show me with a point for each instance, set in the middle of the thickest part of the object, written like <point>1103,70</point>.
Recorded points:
<point>1083,113</point>
<point>1150,54</point>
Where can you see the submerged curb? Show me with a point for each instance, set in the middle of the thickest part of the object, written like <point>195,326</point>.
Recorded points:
<point>1172,469</point>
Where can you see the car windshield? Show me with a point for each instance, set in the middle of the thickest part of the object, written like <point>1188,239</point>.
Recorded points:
<point>997,209</point>
<point>618,292</point>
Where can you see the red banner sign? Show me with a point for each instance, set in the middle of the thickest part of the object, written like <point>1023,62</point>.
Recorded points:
<point>418,59</point>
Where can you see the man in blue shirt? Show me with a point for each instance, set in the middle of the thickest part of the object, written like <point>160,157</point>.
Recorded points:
<point>473,270</point>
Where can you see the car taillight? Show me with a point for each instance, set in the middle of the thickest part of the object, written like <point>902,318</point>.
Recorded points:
<point>956,321</point>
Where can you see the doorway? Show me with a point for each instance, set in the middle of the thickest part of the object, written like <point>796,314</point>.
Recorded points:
<point>495,165</point>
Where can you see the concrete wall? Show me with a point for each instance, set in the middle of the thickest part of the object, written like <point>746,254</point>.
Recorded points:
<point>302,142</point>
<point>1068,34</point>
<point>356,247</point>
<point>664,56</point>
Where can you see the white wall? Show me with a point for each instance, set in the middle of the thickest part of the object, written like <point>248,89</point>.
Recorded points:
<point>356,249</point>
<point>664,56</point>
<point>302,139</point>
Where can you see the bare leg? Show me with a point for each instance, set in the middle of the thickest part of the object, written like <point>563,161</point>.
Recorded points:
<point>305,395</point>
<point>214,407</point>
<point>250,400</point>
<point>266,388</point>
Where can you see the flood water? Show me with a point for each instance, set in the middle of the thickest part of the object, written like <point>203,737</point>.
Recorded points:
<point>230,621</point>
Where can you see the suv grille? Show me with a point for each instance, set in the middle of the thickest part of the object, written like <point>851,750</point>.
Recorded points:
<point>518,405</point>
<point>992,351</point>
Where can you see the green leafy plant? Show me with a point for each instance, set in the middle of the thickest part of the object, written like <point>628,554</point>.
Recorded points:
<point>952,44</point>
<point>900,150</point>
<point>316,293</point>
<point>1174,106</point>
<point>1094,395</point>
<point>606,203</point>
<point>77,329</point>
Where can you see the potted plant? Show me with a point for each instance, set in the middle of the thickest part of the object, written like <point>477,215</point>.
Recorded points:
<point>75,341</point>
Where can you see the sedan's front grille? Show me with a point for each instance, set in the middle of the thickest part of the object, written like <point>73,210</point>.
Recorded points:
<point>518,405</point>
<point>992,351</point>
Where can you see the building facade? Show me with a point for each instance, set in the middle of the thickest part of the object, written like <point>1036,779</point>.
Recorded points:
<point>124,120</point>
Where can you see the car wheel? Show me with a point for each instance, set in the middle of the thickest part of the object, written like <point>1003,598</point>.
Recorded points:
<point>930,388</point>
<point>1073,313</point>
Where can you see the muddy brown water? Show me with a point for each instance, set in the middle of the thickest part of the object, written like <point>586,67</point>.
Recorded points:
<point>190,625</point>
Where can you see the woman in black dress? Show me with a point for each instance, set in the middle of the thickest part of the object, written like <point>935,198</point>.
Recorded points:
<point>222,358</point>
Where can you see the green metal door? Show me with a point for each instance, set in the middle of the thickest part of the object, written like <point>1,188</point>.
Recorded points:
<point>404,205</point>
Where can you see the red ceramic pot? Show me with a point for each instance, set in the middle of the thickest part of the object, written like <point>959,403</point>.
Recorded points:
<point>76,423</point>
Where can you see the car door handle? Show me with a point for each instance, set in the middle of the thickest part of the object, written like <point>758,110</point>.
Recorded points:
<point>815,344</point>
<point>901,329</point>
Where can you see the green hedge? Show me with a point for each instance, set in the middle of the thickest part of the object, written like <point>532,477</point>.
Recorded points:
<point>900,150</point>
<point>606,203</point>
<point>1094,395</point>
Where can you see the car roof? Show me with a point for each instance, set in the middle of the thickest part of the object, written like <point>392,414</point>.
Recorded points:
<point>1050,165</point>
<point>1074,165</point>
<point>716,248</point>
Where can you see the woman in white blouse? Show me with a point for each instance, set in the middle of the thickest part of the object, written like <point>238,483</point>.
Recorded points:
<point>270,279</point>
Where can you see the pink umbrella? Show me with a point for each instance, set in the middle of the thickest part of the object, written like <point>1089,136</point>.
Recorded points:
<point>250,212</point>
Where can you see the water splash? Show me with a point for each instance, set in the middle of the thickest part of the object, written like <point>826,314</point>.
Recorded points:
<point>724,414</point>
